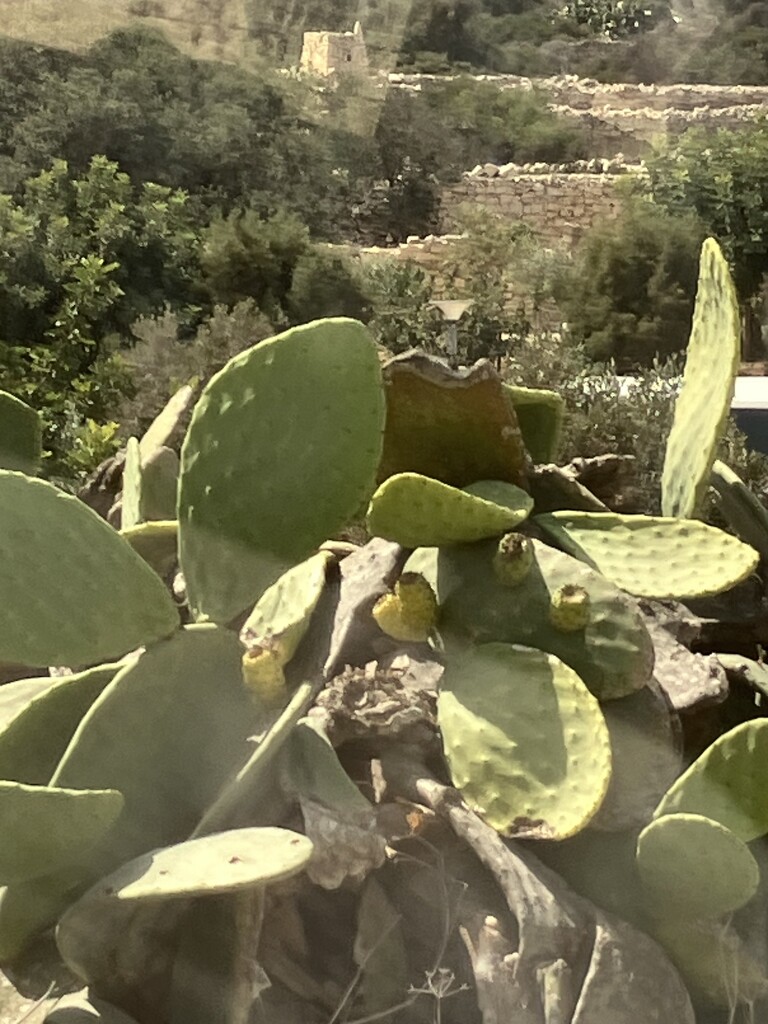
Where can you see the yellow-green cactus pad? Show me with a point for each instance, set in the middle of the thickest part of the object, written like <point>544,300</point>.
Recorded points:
<point>72,590</point>
<point>613,653</point>
<point>282,614</point>
<point>417,511</point>
<point>653,556</point>
<point>455,426</point>
<point>728,782</point>
<point>20,435</point>
<point>130,512</point>
<point>281,452</point>
<point>525,740</point>
<point>540,414</point>
<point>702,407</point>
<point>43,827</point>
<point>694,867</point>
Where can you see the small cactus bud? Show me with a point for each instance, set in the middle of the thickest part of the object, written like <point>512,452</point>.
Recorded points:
<point>410,613</point>
<point>513,559</point>
<point>263,675</point>
<point>569,608</point>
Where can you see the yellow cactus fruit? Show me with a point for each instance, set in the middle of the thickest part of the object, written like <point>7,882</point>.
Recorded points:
<point>569,608</point>
<point>513,559</point>
<point>263,675</point>
<point>410,613</point>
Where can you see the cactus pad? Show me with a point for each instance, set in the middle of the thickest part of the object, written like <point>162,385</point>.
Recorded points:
<point>73,592</point>
<point>540,414</point>
<point>694,867</point>
<point>525,740</point>
<point>130,514</point>
<point>454,426</point>
<point>702,407</point>
<point>20,435</point>
<point>727,782</point>
<point>653,556</point>
<point>742,509</point>
<point>415,511</point>
<point>410,612</point>
<point>156,542</point>
<point>613,654</point>
<point>282,450</point>
<point>45,828</point>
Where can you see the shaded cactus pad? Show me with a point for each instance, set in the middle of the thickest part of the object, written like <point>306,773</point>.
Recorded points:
<point>45,828</point>
<point>702,407</point>
<point>525,740</point>
<point>653,556</point>
<point>20,435</point>
<point>728,782</point>
<point>742,509</point>
<point>282,450</point>
<point>694,867</point>
<point>417,511</point>
<point>540,414</point>
<point>73,592</point>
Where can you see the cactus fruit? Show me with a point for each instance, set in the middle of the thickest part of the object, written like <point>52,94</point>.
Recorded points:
<point>513,559</point>
<point>613,654</point>
<point>525,741</point>
<point>569,608</point>
<point>46,827</point>
<point>410,612</point>
<point>742,509</point>
<point>263,675</point>
<point>702,407</point>
<point>453,426</point>
<point>694,867</point>
<point>540,414</point>
<point>727,783</point>
<point>20,435</point>
<point>71,559</point>
<point>282,450</point>
<point>417,511</point>
<point>651,556</point>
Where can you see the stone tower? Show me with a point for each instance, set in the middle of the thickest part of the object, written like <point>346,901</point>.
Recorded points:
<point>334,53</point>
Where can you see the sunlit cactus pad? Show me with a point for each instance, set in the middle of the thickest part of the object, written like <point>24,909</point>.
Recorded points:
<point>282,450</point>
<point>418,511</point>
<point>43,828</point>
<point>728,782</point>
<point>613,654</point>
<point>694,867</point>
<point>702,407</point>
<point>525,741</point>
<point>653,556</point>
<point>20,435</point>
<point>73,592</point>
<point>540,414</point>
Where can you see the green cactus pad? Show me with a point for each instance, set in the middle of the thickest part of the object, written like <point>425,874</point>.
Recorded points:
<point>27,908</point>
<point>525,741</point>
<point>159,484</point>
<point>282,450</point>
<point>653,556</point>
<point>417,511</point>
<point>166,426</point>
<point>613,654</point>
<point>131,514</point>
<point>156,542</point>
<point>540,414</point>
<point>742,509</point>
<point>190,689</point>
<point>728,782</point>
<point>20,435</point>
<point>15,696</point>
<point>693,867</point>
<point>45,827</point>
<point>73,592</point>
<point>32,743</point>
<point>702,407</point>
<point>283,612</point>
<point>454,426</point>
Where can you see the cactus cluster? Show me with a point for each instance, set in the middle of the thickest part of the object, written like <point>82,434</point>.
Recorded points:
<point>156,772</point>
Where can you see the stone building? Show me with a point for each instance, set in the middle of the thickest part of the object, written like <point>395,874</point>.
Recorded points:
<point>329,53</point>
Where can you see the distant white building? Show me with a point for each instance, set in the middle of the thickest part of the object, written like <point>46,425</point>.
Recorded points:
<point>334,53</point>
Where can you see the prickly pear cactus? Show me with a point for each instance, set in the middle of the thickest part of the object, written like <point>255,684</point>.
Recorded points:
<point>415,511</point>
<point>57,555</point>
<point>694,867</point>
<point>540,414</point>
<point>651,556</point>
<point>20,435</point>
<point>742,509</point>
<point>702,407</point>
<point>525,740</point>
<point>409,613</point>
<point>282,450</point>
